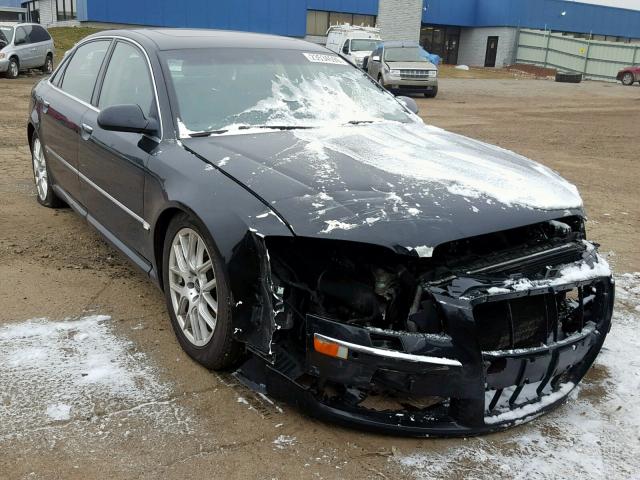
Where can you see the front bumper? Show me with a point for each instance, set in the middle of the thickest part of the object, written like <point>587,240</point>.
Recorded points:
<point>4,65</point>
<point>478,389</point>
<point>397,84</point>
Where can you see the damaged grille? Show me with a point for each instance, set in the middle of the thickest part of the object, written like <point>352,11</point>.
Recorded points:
<point>532,321</point>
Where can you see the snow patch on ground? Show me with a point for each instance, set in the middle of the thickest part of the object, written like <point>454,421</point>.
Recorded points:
<point>284,441</point>
<point>595,435</point>
<point>77,371</point>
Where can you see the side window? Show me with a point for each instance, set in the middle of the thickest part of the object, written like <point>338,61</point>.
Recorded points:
<point>345,49</point>
<point>39,34</point>
<point>127,81</point>
<point>22,35</point>
<point>82,71</point>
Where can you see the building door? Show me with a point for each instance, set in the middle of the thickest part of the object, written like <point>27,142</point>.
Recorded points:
<point>451,48</point>
<point>492,51</point>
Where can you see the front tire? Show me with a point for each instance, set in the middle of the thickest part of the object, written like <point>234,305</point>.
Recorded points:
<point>41,176</point>
<point>14,68</point>
<point>432,93</point>
<point>627,79</point>
<point>198,295</point>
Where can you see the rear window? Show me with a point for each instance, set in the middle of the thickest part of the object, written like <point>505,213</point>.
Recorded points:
<point>39,34</point>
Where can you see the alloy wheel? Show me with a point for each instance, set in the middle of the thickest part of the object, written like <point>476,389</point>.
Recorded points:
<point>627,79</point>
<point>48,68</point>
<point>193,288</point>
<point>40,170</point>
<point>13,69</point>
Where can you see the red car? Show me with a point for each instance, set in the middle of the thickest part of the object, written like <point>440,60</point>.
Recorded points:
<point>629,75</point>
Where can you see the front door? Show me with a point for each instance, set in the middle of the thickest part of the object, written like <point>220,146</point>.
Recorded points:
<point>23,47</point>
<point>451,49</point>
<point>114,163</point>
<point>492,51</point>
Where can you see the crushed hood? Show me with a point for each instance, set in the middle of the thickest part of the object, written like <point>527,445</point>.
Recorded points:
<point>392,184</point>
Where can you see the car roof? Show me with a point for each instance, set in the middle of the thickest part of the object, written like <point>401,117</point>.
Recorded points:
<point>17,24</point>
<point>401,43</point>
<point>181,38</point>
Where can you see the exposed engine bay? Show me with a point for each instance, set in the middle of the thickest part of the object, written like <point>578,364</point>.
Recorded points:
<point>460,342</point>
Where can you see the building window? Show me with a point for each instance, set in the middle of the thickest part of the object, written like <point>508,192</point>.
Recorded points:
<point>33,10</point>
<point>66,9</point>
<point>318,22</point>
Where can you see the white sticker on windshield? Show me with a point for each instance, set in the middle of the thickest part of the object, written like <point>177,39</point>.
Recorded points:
<point>324,58</point>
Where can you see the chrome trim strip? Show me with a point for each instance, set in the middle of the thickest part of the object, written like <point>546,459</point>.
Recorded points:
<point>391,353</point>
<point>146,55</point>
<point>134,215</point>
<point>520,259</point>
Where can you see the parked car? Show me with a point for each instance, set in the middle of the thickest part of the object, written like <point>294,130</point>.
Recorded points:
<point>403,67</point>
<point>352,42</point>
<point>628,76</point>
<point>308,227</point>
<point>24,46</point>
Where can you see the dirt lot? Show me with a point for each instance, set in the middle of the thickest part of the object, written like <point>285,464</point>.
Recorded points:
<point>111,395</point>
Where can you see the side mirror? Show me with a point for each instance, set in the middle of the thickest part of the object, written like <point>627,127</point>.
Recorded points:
<point>127,118</point>
<point>375,58</point>
<point>410,103</point>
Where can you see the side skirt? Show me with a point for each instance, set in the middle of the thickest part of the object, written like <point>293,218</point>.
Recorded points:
<point>131,255</point>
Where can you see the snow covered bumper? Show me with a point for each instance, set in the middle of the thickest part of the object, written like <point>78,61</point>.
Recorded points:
<point>508,355</point>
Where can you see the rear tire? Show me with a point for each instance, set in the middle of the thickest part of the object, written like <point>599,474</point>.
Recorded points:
<point>627,79</point>
<point>42,177</point>
<point>14,68</point>
<point>47,68</point>
<point>198,294</point>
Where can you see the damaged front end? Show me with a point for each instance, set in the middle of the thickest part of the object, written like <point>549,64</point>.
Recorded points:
<point>486,333</point>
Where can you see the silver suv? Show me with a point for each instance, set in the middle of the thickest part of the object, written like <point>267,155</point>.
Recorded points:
<point>403,67</point>
<point>24,46</point>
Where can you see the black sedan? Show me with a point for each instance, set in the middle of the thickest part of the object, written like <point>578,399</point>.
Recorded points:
<point>308,229</point>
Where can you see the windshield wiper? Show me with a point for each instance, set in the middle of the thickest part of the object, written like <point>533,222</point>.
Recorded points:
<point>275,127</point>
<point>359,122</point>
<point>207,133</point>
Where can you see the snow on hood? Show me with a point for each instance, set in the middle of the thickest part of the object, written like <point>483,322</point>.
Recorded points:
<point>467,167</point>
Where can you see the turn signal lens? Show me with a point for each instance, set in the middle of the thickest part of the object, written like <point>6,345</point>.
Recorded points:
<point>330,349</point>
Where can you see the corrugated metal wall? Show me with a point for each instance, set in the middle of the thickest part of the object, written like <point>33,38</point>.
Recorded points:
<point>282,17</point>
<point>595,59</point>
<point>538,14</point>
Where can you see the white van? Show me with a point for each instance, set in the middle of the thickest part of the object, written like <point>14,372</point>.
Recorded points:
<point>352,42</point>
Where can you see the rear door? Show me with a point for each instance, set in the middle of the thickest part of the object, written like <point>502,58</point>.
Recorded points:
<point>63,108</point>
<point>114,163</point>
<point>39,39</point>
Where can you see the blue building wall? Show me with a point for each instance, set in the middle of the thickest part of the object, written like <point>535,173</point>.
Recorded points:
<point>282,17</point>
<point>579,17</point>
<point>10,3</point>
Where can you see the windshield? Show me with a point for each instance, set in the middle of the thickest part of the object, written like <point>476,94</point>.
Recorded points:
<point>224,89</point>
<point>363,45</point>
<point>405,54</point>
<point>6,35</point>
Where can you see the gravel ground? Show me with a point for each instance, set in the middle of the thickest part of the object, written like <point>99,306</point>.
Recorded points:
<point>93,383</point>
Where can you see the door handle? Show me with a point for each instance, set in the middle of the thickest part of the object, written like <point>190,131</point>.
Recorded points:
<point>87,128</point>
